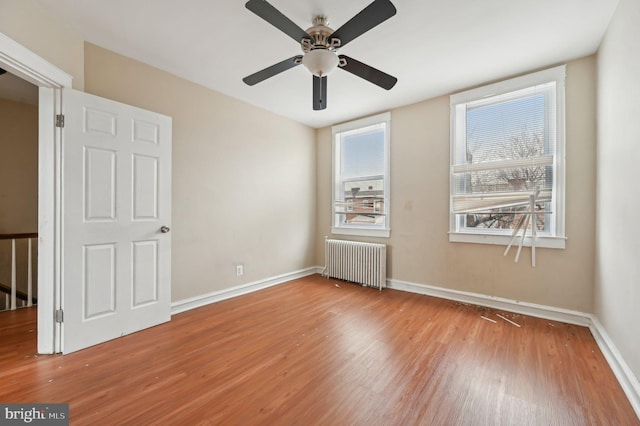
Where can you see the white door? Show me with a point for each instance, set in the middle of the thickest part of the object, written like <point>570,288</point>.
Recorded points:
<point>116,244</point>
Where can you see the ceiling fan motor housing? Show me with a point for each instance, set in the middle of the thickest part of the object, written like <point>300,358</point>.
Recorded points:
<point>321,36</point>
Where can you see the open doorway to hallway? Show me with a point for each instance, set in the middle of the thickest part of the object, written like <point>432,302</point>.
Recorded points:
<point>18,192</point>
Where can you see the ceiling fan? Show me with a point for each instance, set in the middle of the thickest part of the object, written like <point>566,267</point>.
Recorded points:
<point>320,44</point>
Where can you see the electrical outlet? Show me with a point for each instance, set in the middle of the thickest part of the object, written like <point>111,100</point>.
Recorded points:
<point>239,270</point>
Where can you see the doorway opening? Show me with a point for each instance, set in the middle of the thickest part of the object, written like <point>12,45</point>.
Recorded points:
<point>18,192</point>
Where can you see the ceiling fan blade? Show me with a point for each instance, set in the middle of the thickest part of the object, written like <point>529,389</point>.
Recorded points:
<point>319,93</point>
<point>277,19</point>
<point>369,17</point>
<point>272,70</point>
<point>370,74</point>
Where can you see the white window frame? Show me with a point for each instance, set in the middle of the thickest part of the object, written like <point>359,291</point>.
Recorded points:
<point>556,238</point>
<point>368,230</point>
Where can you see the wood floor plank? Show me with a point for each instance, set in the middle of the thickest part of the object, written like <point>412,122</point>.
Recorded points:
<point>317,351</point>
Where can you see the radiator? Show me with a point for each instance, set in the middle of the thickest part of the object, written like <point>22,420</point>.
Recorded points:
<point>362,263</point>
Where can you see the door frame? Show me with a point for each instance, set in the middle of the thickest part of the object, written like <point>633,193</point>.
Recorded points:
<point>50,79</point>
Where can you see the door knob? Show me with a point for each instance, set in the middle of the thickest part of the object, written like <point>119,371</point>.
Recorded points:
<point>165,229</point>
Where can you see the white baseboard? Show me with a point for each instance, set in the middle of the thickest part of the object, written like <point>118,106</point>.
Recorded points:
<point>216,296</point>
<point>627,379</point>
<point>524,308</point>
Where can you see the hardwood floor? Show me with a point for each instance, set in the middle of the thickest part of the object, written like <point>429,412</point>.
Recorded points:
<point>317,351</point>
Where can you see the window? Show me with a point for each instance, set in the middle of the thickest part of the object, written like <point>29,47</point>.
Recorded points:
<point>507,161</point>
<point>361,177</point>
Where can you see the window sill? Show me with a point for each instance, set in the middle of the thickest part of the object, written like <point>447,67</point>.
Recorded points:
<point>503,240</point>
<point>362,232</point>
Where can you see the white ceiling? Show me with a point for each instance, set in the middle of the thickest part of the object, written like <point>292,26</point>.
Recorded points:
<point>432,47</point>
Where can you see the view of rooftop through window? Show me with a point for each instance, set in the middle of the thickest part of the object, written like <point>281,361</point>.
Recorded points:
<point>363,176</point>
<point>361,185</point>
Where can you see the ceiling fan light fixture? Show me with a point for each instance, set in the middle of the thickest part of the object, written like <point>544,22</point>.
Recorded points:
<point>320,62</point>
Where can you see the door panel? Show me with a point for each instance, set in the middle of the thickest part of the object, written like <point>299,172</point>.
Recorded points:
<point>145,187</point>
<point>100,184</point>
<point>145,272</point>
<point>116,197</point>
<point>99,281</point>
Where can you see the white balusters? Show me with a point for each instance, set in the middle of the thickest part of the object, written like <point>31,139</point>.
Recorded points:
<point>29,276</point>
<point>13,274</point>
<point>11,294</point>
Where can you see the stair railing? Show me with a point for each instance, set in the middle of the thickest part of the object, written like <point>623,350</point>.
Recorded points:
<point>11,292</point>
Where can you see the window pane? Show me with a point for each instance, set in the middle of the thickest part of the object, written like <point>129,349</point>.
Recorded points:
<point>364,200</point>
<point>363,154</point>
<point>504,219</point>
<point>522,179</point>
<point>507,130</point>
<point>511,127</point>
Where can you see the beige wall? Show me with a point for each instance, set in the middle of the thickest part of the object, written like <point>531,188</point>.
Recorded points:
<point>420,251</point>
<point>243,178</point>
<point>26,22</point>
<point>18,184</point>
<point>617,280</point>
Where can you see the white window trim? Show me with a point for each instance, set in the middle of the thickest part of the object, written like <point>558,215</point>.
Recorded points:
<point>557,74</point>
<point>363,230</point>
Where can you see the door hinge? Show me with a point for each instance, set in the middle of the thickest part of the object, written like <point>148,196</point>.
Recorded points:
<point>59,316</point>
<point>59,120</point>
